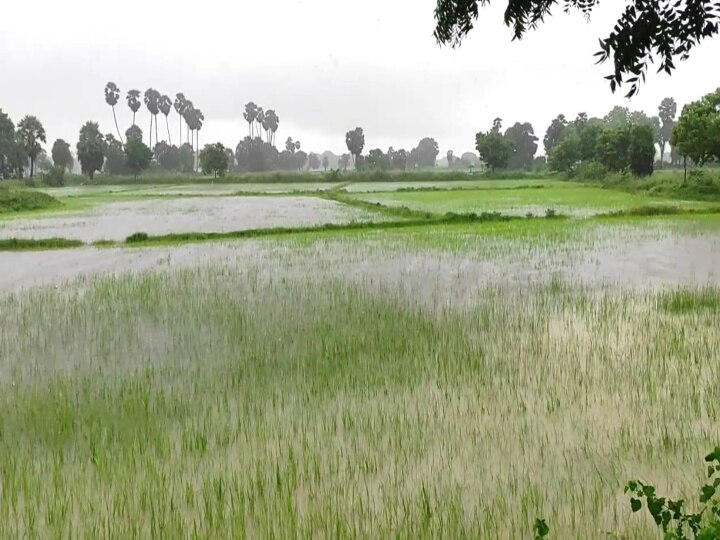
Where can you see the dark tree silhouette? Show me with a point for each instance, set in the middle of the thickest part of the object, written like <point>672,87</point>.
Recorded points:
<point>133,101</point>
<point>180,106</point>
<point>355,141</point>
<point>30,134</point>
<point>165,105</point>
<point>667,112</point>
<point>61,155</point>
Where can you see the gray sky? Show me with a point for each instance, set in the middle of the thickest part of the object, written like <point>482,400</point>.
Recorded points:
<point>325,66</point>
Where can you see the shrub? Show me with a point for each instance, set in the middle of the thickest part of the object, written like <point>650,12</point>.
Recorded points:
<point>55,177</point>
<point>591,170</point>
<point>136,237</point>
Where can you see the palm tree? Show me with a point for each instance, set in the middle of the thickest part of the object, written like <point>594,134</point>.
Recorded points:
<point>259,118</point>
<point>180,107</point>
<point>194,120</point>
<point>30,133</point>
<point>112,95</point>
<point>133,101</point>
<point>272,121</point>
<point>250,114</point>
<point>188,111</point>
<point>297,145</point>
<point>152,101</point>
<point>165,104</point>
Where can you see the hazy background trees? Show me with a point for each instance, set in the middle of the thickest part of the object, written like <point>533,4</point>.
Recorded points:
<point>61,155</point>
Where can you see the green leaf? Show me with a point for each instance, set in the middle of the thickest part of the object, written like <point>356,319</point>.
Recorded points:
<point>635,504</point>
<point>707,493</point>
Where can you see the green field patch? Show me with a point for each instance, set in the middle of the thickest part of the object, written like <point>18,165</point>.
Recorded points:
<point>13,201</point>
<point>691,299</point>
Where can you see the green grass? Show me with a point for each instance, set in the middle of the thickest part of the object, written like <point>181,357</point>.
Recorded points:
<point>690,300</point>
<point>248,404</point>
<point>31,244</point>
<point>573,199</point>
<point>22,200</point>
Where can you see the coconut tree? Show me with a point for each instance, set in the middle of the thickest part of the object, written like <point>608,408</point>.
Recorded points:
<point>152,102</point>
<point>165,105</point>
<point>250,114</point>
<point>133,101</point>
<point>180,107</point>
<point>112,95</point>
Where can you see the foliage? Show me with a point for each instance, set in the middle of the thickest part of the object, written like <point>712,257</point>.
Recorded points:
<point>7,145</point>
<point>646,30</point>
<point>91,149</point>
<point>641,149</point>
<point>524,142</point>
<point>186,158</point>
<point>355,142</point>
<point>30,133</point>
<point>494,149</point>
<point>565,156</point>
<point>313,161</point>
<point>676,522</point>
<point>666,112</point>
<point>697,133</point>
<point>114,156</point>
<point>425,153</point>
<point>325,163</point>
<point>377,160</point>
<point>55,177</point>
<point>590,170</point>
<point>133,132</point>
<point>137,156</point>
<point>555,133</point>
<point>61,155</point>
<point>214,159</point>
<point>612,148</point>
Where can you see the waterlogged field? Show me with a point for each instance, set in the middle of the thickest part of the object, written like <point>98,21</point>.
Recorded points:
<point>569,199</point>
<point>191,189</point>
<point>118,220</point>
<point>430,381</point>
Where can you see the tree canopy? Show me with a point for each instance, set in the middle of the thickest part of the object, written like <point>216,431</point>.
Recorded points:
<point>61,155</point>
<point>646,29</point>
<point>214,159</point>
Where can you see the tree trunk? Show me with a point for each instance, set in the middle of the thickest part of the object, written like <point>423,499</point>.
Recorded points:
<point>133,118</point>
<point>685,168</point>
<point>117,127</point>
<point>167,125</point>
<point>180,143</point>
<point>156,132</point>
<point>150,134</point>
<point>32,167</point>
<point>662,154</point>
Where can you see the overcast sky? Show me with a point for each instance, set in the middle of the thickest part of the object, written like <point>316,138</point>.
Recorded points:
<point>325,66</point>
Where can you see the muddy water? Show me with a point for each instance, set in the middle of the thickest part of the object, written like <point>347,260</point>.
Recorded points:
<point>436,276</point>
<point>118,220</point>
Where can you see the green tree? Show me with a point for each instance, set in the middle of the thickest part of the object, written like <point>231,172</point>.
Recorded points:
<point>612,148</point>
<point>344,161</point>
<point>273,121</point>
<point>427,151</point>
<point>133,132</point>
<point>186,158</point>
<point>7,144</point>
<point>494,149</point>
<point>355,142</point>
<point>299,159</point>
<point>645,31</point>
<point>259,119</point>
<point>325,163</point>
<point>314,161</point>
<point>137,156</point>
<point>214,159</point>
<point>524,142</point>
<point>588,136</point>
<point>697,133</point>
<point>194,119</point>
<point>114,152</point>
<point>565,156</point>
<point>449,156</point>
<point>112,96</point>
<point>133,102</point>
<point>617,117</point>
<point>91,149</point>
<point>30,134</point>
<point>167,156</point>
<point>61,155</point>
<point>666,112</point>
<point>376,159</point>
<point>641,149</point>
<point>555,133</point>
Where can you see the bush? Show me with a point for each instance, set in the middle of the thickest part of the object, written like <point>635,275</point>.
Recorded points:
<point>591,170</point>
<point>136,237</point>
<point>55,177</point>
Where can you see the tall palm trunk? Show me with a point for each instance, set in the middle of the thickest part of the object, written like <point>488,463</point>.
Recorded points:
<point>133,118</point>
<point>156,133</point>
<point>116,126</point>
<point>32,167</point>
<point>180,143</point>
<point>150,133</point>
<point>167,125</point>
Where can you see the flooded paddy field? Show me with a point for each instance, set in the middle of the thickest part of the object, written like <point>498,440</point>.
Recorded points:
<point>118,220</point>
<point>424,381</point>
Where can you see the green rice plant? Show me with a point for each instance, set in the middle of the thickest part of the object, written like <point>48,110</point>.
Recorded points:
<point>685,300</point>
